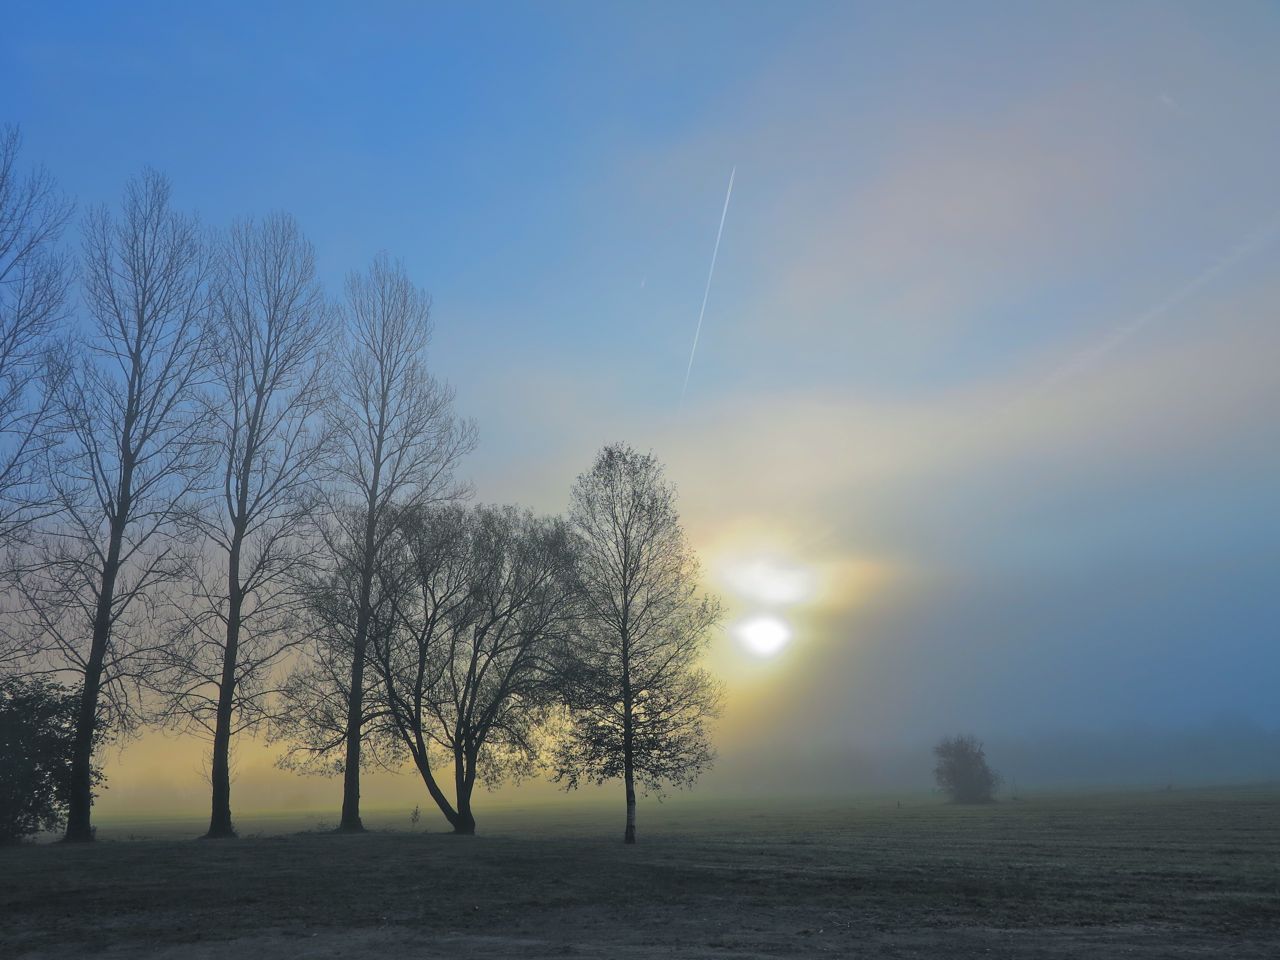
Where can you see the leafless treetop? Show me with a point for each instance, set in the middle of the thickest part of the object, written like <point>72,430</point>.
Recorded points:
<point>134,445</point>
<point>34,279</point>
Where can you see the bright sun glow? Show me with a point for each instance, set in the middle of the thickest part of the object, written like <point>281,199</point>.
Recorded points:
<point>763,635</point>
<point>770,582</point>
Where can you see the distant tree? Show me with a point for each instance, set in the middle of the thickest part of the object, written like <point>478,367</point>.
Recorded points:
<point>638,701</point>
<point>396,444</point>
<point>131,457</point>
<point>962,770</point>
<point>483,598</point>
<point>37,740</point>
<point>268,390</point>
<point>34,280</point>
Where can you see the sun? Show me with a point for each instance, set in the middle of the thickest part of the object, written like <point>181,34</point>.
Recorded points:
<point>764,634</point>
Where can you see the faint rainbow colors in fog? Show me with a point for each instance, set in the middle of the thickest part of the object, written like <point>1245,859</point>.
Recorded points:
<point>938,209</point>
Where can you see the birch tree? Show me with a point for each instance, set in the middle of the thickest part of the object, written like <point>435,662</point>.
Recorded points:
<point>639,702</point>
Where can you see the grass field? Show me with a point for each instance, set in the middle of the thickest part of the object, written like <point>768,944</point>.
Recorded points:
<point>1179,874</point>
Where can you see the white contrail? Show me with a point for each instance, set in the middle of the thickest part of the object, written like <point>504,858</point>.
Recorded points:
<point>1246,248</point>
<point>1250,245</point>
<point>707,292</point>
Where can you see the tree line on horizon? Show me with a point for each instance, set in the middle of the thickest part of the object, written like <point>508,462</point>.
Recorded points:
<point>229,505</point>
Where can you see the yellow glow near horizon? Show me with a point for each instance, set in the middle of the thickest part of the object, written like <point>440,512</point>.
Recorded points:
<point>763,635</point>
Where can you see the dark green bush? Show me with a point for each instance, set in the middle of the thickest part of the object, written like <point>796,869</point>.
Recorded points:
<point>37,734</point>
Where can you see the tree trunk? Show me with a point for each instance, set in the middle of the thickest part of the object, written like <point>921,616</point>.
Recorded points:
<point>420,759</point>
<point>628,767</point>
<point>220,819</point>
<point>464,779</point>
<point>464,823</point>
<point>628,738</point>
<point>629,780</point>
<point>351,822</point>
<point>80,802</point>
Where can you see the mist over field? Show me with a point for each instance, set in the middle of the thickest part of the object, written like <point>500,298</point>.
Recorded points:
<point>667,479</point>
<point>988,349</point>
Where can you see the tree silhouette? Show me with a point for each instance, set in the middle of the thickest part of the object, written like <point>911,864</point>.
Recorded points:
<point>639,703</point>
<point>962,770</point>
<point>131,458</point>
<point>396,443</point>
<point>484,596</point>
<point>268,389</point>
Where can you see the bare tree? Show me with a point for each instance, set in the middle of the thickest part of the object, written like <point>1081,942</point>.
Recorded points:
<point>397,442</point>
<point>482,598</point>
<point>34,280</point>
<point>316,695</point>
<point>131,457</point>
<point>639,702</point>
<point>272,329</point>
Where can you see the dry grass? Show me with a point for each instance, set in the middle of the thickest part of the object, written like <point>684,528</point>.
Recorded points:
<point>1181,874</point>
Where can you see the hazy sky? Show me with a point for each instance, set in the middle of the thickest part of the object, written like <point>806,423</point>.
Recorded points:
<point>988,377</point>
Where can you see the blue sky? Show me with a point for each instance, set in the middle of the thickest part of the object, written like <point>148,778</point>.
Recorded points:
<point>991,346</point>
